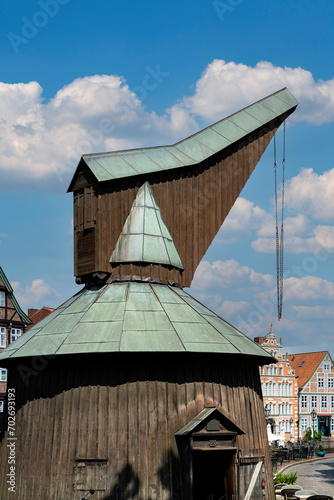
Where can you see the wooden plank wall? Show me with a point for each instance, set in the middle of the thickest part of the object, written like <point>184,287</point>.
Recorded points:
<point>125,409</point>
<point>194,202</point>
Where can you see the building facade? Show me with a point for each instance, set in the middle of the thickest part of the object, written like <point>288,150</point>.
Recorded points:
<point>315,374</point>
<point>13,322</point>
<point>279,389</point>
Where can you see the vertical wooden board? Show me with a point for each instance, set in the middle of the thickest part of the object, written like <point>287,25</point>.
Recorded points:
<point>102,416</point>
<point>28,450</point>
<point>133,424</point>
<point>113,434</point>
<point>153,454</point>
<point>122,429</point>
<point>42,426</point>
<point>143,436</point>
<point>164,472</point>
<point>190,269</point>
<point>216,386</point>
<point>248,419</point>
<point>56,428</point>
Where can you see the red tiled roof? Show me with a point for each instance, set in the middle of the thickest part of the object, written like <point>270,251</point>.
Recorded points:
<point>305,364</point>
<point>38,315</point>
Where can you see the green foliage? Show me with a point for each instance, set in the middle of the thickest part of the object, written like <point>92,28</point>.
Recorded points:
<point>286,478</point>
<point>320,448</point>
<point>308,435</point>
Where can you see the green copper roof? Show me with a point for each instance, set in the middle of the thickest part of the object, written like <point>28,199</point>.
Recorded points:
<point>194,149</point>
<point>132,317</point>
<point>145,237</point>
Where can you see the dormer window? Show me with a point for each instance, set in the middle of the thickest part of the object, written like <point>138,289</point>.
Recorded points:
<point>2,299</point>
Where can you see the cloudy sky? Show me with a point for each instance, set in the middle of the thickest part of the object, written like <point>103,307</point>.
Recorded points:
<point>80,76</point>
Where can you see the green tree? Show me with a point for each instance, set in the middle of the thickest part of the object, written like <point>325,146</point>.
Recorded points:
<point>308,435</point>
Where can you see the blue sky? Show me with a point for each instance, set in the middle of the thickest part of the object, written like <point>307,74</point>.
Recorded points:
<point>158,72</point>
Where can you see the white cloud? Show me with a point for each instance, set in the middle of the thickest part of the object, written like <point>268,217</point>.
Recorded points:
<point>312,194</point>
<point>91,114</point>
<point>227,274</point>
<point>39,140</point>
<point>243,218</point>
<point>230,308</point>
<point>314,312</point>
<point>34,295</point>
<point>303,289</point>
<point>224,87</point>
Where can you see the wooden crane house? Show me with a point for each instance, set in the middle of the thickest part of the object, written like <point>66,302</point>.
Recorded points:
<point>132,389</point>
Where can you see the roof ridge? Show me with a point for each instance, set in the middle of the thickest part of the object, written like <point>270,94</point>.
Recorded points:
<point>203,144</point>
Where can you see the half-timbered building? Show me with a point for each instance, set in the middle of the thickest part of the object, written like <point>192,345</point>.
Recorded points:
<point>13,323</point>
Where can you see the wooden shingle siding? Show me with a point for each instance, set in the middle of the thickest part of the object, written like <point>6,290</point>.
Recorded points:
<point>124,411</point>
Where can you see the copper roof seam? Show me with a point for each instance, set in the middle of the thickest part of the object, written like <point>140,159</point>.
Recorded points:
<point>151,159</point>
<point>285,102</point>
<point>163,237</point>
<point>178,336</point>
<point>194,162</point>
<point>103,167</point>
<point>262,123</point>
<point>200,142</point>
<point>246,133</point>
<point>170,152</point>
<point>131,166</point>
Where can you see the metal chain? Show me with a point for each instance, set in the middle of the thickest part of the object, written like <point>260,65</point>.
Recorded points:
<point>282,229</point>
<point>279,237</point>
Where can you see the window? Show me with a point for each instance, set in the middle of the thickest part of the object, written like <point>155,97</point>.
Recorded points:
<point>314,401</point>
<point>323,401</point>
<point>330,383</point>
<point>2,405</point>
<point>290,389</point>
<point>15,333</point>
<point>262,370</point>
<point>275,370</point>
<point>332,425</point>
<point>327,366</point>
<point>281,370</point>
<point>303,424</point>
<point>3,375</point>
<point>304,401</point>
<point>274,389</point>
<point>269,393</point>
<point>279,392</point>
<point>270,370</point>
<point>290,409</point>
<point>274,409</point>
<point>320,382</point>
<point>2,299</point>
<point>332,402</point>
<point>2,336</point>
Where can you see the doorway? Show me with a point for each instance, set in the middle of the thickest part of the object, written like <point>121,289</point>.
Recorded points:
<point>213,474</point>
<point>324,425</point>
